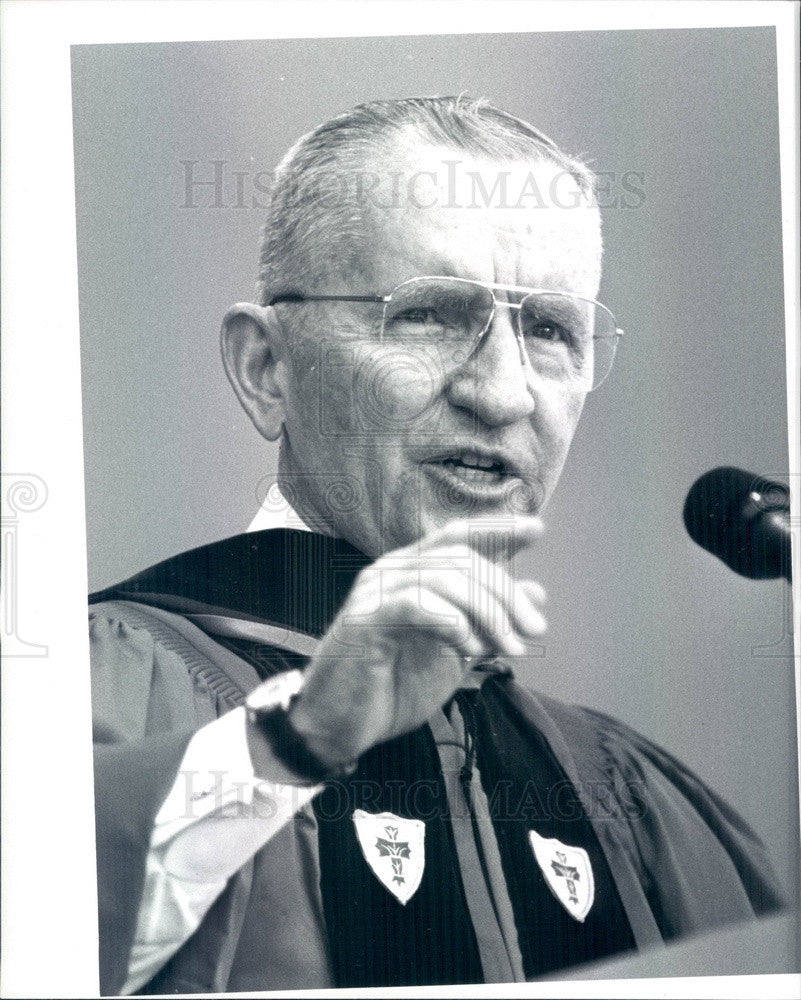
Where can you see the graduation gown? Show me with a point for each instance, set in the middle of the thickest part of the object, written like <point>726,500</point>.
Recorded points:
<point>653,850</point>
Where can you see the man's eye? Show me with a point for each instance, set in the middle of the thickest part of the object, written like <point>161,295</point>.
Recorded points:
<point>550,332</point>
<point>419,317</point>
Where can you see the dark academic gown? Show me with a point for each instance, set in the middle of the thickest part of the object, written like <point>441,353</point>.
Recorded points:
<point>183,642</point>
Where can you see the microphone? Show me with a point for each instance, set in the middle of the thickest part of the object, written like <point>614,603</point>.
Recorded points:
<point>743,519</point>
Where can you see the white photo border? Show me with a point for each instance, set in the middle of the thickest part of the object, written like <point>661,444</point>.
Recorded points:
<point>48,887</point>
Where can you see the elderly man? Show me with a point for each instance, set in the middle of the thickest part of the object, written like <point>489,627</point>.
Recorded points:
<point>314,766</point>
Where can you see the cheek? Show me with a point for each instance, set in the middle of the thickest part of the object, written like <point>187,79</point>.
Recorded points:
<point>556,420</point>
<point>322,394</point>
<point>380,391</point>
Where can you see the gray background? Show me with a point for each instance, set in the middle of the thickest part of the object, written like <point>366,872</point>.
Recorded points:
<point>643,624</point>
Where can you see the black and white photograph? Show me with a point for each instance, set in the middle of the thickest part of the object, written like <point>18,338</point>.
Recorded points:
<point>434,427</point>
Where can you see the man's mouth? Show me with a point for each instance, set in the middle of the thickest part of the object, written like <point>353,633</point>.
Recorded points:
<point>489,478</point>
<point>470,467</point>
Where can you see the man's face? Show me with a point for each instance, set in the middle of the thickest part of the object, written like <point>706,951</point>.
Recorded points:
<point>385,441</point>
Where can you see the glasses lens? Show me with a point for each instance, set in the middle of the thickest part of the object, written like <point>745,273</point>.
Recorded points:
<point>568,339</point>
<point>440,310</point>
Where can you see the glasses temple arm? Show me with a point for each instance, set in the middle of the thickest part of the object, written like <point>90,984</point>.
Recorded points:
<point>296,297</point>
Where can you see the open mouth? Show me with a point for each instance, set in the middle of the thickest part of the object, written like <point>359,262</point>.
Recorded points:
<point>473,468</point>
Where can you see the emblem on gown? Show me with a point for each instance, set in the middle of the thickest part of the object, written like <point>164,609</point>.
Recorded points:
<point>394,848</point>
<point>567,871</point>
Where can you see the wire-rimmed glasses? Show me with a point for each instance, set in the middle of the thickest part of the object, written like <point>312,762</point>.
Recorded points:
<point>562,337</point>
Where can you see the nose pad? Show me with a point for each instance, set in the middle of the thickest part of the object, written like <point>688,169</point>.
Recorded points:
<point>497,334</point>
<point>494,379</point>
<point>459,355</point>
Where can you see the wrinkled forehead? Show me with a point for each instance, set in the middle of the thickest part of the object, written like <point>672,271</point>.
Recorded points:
<point>438,212</point>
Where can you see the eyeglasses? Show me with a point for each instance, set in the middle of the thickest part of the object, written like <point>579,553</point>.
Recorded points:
<point>562,337</point>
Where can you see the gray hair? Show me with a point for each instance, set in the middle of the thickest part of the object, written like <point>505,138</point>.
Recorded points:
<point>304,217</point>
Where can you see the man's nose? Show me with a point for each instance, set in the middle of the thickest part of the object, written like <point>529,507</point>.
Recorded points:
<point>493,383</point>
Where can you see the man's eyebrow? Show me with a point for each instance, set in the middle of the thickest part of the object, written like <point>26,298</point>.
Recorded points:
<point>436,265</point>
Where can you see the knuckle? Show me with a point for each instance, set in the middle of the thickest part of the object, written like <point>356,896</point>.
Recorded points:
<point>405,603</point>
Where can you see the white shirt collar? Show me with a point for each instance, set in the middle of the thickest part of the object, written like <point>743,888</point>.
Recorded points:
<point>277,512</point>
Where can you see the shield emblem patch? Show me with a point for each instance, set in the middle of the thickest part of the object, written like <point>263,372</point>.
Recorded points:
<point>567,871</point>
<point>394,848</point>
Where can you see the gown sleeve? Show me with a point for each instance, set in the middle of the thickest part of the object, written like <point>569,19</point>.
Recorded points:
<point>145,710</point>
<point>683,860</point>
<point>703,866</point>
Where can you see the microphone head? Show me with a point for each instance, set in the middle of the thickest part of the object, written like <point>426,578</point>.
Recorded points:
<point>743,519</point>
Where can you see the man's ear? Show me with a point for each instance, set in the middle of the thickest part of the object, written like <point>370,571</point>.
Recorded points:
<point>253,352</point>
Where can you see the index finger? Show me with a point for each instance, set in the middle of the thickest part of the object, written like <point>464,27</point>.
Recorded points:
<point>493,538</point>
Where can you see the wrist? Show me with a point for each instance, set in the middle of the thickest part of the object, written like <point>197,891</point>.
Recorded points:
<point>274,738</point>
<point>318,731</point>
